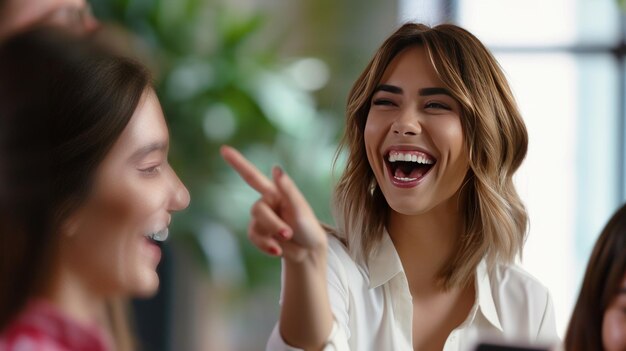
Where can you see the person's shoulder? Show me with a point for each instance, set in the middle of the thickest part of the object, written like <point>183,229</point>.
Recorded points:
<point>21,336</point>
<point>516,277</point>
<point>337,247</point>
<point>338,253</point>
<point>342,263</point>
<point>513,285</point>
<point>524,304</point>
<point>42,326</point>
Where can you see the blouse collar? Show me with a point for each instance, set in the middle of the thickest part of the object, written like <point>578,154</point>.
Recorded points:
<point>384,264</point>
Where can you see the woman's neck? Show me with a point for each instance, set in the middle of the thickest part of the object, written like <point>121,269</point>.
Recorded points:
<point>77,301</point>
<point>424,244</point>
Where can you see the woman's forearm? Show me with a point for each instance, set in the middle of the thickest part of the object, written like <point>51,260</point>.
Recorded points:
<point>306,318</point>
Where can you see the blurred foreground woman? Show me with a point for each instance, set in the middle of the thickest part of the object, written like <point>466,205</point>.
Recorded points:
<point>86,192</point>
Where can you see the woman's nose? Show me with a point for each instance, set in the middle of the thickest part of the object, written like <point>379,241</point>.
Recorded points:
<point>180,195</point>
<point>407,124</point>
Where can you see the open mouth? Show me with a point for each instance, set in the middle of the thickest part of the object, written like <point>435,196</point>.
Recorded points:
<point>159,236</point>
<point>408,166</point>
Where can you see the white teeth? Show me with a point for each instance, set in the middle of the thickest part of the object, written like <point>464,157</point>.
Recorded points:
<point>403,179</point>
<point>409,157</point>
<point>161,235</point>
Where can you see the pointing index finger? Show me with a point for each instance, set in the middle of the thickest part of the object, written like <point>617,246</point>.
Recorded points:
<point>250,174</point>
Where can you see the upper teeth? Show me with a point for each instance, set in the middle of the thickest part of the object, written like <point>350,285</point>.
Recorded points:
<point>407,157</point>
<point>161,235</point>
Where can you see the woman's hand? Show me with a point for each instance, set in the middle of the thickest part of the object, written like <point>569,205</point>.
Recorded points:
<point>282,222</point>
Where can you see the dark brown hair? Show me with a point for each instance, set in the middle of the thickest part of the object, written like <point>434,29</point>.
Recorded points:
<point>64,101</point>
<point>605,271</point>
<point>494,133</point>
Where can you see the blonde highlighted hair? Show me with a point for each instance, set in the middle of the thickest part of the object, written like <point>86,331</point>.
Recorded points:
<point>495,220</point>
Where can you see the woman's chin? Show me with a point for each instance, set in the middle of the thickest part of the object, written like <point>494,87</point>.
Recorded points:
<point>147,287</point>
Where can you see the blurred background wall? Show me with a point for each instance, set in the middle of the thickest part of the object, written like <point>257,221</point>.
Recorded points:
<point>271,77</point>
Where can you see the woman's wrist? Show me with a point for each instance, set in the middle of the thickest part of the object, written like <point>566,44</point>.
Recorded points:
<point>313,258</point>
<point>313,255</point>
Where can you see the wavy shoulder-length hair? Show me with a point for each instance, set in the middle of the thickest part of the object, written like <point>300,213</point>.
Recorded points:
<point>602,283</point>
<point>495,220</point>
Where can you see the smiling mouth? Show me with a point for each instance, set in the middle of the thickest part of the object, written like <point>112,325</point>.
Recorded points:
<point>159,236</point>
<point>408,166</point>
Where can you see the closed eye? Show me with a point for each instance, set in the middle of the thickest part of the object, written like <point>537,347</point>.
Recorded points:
<point>151,171</point>
<point>437,105</point>
<point>383,102</point>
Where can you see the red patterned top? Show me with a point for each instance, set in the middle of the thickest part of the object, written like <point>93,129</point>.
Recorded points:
<point>42,327</point>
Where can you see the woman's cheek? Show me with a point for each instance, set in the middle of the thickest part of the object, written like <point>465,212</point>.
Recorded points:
<point>614,329</point>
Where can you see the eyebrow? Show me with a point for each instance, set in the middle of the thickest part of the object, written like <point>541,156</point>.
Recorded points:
<point>434,91</point>
<point>145,150</point>
<point>388,88</point>
<point>422,92</point>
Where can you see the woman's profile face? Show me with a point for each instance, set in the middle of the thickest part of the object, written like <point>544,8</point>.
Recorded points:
<point>106,243</point>
<point>614,322</point>
<point>413,136</point>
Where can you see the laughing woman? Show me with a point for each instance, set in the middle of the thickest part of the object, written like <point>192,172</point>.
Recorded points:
<point>428,220</point>
<point>85,189</point>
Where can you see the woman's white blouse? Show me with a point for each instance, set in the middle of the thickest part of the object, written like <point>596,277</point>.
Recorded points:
<point>373,308</point>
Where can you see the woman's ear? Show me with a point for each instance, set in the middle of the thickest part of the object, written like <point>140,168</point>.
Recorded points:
<point>71,225</point>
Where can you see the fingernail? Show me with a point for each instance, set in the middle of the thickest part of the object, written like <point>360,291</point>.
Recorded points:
<point>273,251</point>
<point>284,233</point>
<point>223,148</point>
<point>277,171</point>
